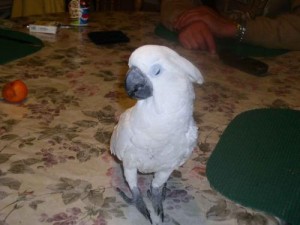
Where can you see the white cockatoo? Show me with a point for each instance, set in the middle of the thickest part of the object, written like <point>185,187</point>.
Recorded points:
<point>157,134</point>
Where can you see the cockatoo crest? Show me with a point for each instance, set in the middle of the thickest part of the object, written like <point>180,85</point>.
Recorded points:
<point>153,58</point>
<point>171,75</point>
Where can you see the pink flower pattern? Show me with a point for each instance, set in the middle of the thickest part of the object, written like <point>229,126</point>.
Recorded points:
<point>56,166</point>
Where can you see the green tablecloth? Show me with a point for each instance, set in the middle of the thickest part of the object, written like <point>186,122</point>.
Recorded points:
<point>257,162</point>
<point>14,45</point>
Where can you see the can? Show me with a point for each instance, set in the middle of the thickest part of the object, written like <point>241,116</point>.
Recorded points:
<point>79,12</point>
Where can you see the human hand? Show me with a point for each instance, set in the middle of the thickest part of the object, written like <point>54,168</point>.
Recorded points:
<point>219,26</point>
<point>197,35</point>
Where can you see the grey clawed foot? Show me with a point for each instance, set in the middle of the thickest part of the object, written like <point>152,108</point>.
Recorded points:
<point>157,196</point>
<point>137,200</point>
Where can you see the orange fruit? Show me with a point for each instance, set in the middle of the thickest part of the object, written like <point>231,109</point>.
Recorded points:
<point>15,91</point>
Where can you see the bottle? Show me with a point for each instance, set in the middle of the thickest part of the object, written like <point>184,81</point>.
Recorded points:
<point>79,12</point>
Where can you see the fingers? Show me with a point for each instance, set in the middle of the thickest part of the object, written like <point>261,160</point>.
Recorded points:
<point>186,19</point>
<point>197,36</point>
<point>198,14</point>
<point>218,25</point>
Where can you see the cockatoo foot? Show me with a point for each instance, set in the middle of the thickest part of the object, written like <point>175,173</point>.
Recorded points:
<point>157,196</point>
<point>137,200</point>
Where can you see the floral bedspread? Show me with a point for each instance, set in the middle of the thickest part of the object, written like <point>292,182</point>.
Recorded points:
<point>55,163</point>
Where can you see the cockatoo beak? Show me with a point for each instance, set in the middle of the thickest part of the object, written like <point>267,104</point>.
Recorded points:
<point>137,85</point>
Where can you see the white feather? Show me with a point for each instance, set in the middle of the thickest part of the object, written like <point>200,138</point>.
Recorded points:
<point>159,133</point>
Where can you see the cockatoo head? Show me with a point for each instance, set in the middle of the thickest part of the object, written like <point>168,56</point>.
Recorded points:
<point>159,72</point>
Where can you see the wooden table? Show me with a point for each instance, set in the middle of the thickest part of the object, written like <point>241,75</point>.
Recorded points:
<point>56,167</point>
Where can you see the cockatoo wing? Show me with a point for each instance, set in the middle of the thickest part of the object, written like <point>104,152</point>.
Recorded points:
<point>120,139</point>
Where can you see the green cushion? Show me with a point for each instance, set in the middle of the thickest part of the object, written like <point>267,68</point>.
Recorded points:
<point>14,45</point>
<point>226,45</point>
<point>257,162</point>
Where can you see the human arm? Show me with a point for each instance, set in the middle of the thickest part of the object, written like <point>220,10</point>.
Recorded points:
<point>171,9</point>
<point>197,28</point>
<point>193,22</point>
<point>282,32</point>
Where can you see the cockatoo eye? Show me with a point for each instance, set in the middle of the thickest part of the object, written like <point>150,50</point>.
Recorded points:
<point>155,70</point>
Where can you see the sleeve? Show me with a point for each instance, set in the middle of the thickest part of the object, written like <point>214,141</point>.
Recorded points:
<point>171,9</point>
<point>282,31</point>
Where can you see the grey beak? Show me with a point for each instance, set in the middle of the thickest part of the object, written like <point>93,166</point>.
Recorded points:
<point>137,85</point>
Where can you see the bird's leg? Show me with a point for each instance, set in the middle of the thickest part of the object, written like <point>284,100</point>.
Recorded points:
<point>157,192</point>
<point>157,196</point>
<point>137,198</point>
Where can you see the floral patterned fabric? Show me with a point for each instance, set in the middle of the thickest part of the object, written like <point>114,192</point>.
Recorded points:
<point>55,163</point>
